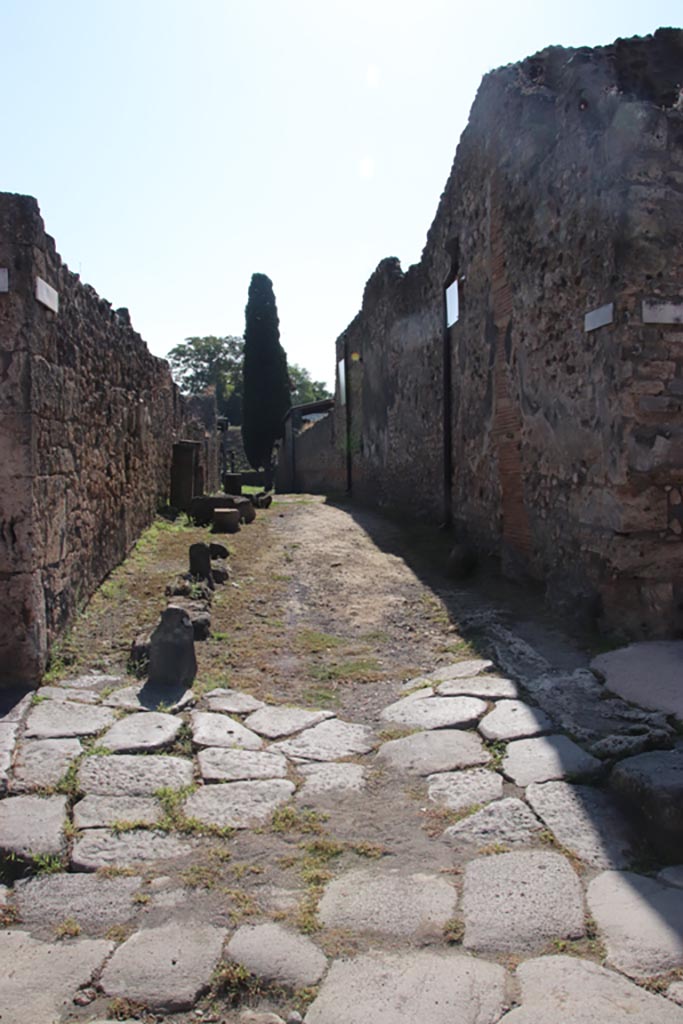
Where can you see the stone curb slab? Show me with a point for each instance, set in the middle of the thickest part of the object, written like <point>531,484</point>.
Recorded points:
<point>544,758</point>
<point>514,720</point>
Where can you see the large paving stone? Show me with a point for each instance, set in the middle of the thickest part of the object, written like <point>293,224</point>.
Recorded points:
<point>641,921</point>
<point>64,693</point>
<point>427,752</point>
<point>274,722</point>
<point>132,775</point>
<point>328,741</point>
<point>95,903</point>
<point>653,782</point>
<point>486,687</point>
<point>104,811</point>
<point>435,712</point>
<point>323,779</point>
<point>507,822</point>
<point>462,669</point>
<point>585,821</point>
<point>238,804</point>
<point>8,736</point>
<point>99,848</point>
<point>459,790</point>
<point>544,758</point>
<point>56,718</point>
<point>96,681</point>
<point>165,968</point>
<point>31,825</point>
<point>42,763</point>
<point>672,876</point>
<point>143,697</point>
<point>39,979</point>
<point>513,720</point>
<point>649,674</point>
<point>233,701</point>
<point>277,954</point>
<point>213,730</point>
<point>388,902</point>
<point>141,732</point>
<point>413,987</point>
<point>521,901</point>
<point>572,991</point>
<point>217,764</point>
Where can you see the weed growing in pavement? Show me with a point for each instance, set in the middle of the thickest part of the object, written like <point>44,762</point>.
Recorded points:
<point>365,849</point>
<point>175,820</point>
<point>68,929</point>
<point>293,819</point>
<point>497,749</point>
<point>233,983</point>
<point>453,931</point>
<point>437,819</point>
<point>110,871</point>
<point>126,1009</point>
<point>46,863</point>
<point>182,745</point>
<point>8,916</point>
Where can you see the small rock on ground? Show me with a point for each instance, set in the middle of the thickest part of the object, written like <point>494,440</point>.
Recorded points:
<point>410,987</point>
<point>585,821</point>
<point>388,902</point>
<point>435,712</point>
<point>104,811</point>
<point>521,901</point>
<point>328,741</point>
<point>57,718</point>
<point>39,985</point>
<point>277,954</point>
<point>43,763</point>
<point>324,778</point>
<point>99,848</point>
<point>149,730</point>
<point>545,758</point>
<point>94,903</point>
<point>238,804</point>
<point>217,764</point>
<point>132,774</point>
<point>283,721</point>
<point>210,729</point>
<point>164,968</point>
<point>31,825</point>
<point>513,720</point>
<point>427,752</point>
<point>572,991</point>
<point>641,921</point>
<point>459,790</point>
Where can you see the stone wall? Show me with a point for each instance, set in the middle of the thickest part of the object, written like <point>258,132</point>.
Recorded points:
<point>87,422</point>
<point>547,423</point>
<point>311,457</point>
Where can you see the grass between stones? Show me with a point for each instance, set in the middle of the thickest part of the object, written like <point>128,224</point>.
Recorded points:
<point>68,929</point>
<point>437,819</point>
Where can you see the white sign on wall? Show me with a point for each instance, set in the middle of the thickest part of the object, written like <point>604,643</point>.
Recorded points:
<point>4,279</point>
<point>658,311</point>
<point>47,295</point>
<point>452,304</point>
<point>341,371</point>
<point>598,317</point>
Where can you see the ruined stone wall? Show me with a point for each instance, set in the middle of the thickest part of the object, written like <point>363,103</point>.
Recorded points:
<point>562,221</point>
<point>320,466</point>
<point>394,392</point>
<point>87,422</point>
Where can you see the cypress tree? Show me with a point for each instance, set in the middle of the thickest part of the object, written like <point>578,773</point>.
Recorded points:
<point>266,396</point>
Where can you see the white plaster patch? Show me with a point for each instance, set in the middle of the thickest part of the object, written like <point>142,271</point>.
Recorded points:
<point>4,279</point>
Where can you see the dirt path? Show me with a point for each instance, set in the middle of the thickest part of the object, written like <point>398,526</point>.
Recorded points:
<point>385,859</point>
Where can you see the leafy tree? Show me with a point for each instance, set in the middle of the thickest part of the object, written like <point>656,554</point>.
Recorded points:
<point>303,389</point>
<point>266,396</point>
<point>200,363</point>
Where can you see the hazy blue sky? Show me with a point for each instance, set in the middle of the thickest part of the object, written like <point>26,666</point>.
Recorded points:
<point>177,147</point>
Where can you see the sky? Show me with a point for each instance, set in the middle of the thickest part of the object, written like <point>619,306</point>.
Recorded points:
<point>178,146</point>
